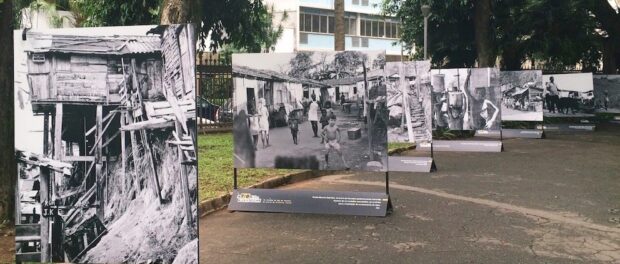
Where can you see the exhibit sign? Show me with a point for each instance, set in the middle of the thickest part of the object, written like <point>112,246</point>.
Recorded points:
<point>409,101</point>
<point>607,93</point>
<point>305,201</point>
<point>105,125</point>
<point>310,110</point>
<point>466,99</point>
<point>568,95</point>
<point>522,95</point>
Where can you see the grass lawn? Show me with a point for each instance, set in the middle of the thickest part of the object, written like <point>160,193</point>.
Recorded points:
<point>215,167</point>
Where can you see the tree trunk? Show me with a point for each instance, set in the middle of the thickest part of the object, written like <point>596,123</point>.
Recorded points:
<point>482,26</point>
<point>176,12</point>
<point>610,53</point>
<point>8,175</point>
<point>339,27</point>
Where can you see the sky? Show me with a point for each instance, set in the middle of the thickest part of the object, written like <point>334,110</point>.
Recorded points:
<point>580,82</point>
<point>279,62</point>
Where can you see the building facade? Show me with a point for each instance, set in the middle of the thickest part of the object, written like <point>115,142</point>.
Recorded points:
<point>309,26</point>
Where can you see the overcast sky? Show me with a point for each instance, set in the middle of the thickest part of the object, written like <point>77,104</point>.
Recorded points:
<point>280,61</point>
<point>580,82</point>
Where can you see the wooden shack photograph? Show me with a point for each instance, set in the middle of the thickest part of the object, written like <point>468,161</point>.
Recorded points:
<point>105,144</point>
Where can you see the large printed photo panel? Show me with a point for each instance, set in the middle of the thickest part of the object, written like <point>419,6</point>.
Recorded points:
<point>466,99</point>
<point>104,136</point>
<point>409,101</point>
<point>607,93</point>
<point>310,110</point>
<point>522,95</point>
<point>568,95</point>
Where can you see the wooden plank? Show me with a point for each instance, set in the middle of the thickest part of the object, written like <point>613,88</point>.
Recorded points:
<point>28,257</point>
<point>27,230</point>
<point>79,158</point>
<point>149,154</point>
<point>149,124</point>
<point>44,179</point>
<point>123,157</point>
<point>98,162</point>
<point>108,116</point>
<point>109,140</point>
<point>184,180</point>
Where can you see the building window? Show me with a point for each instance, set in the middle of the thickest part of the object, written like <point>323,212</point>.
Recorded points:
<point>365,42</point>
<point>356,2</point>
<point>350,27</point>
<point>316,23</point>
<point>332,22</point>
<point>380,29</point>
<point>323,20</point>
<point>303,38</point>
<point>364,2</point>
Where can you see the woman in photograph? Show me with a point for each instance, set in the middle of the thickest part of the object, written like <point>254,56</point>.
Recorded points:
<point>489,119</point>
<point>263,123</point>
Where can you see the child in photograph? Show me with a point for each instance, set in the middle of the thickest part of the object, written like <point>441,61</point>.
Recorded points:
<point>331,137</point>
<point>293,124</point>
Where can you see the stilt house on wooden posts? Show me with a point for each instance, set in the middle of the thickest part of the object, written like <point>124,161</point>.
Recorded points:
<point>95,89</point>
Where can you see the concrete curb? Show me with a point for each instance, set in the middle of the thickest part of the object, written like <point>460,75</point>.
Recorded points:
<point>400,150</point>
<point>215,204</point>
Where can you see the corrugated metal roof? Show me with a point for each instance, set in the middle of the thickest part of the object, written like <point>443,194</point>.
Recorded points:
<point>118,45</point>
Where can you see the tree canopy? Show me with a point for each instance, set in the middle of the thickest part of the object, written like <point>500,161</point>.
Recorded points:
<point>555,33</point>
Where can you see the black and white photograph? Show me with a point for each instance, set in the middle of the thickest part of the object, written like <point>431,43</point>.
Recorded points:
<point>568,95</point>
<point>409,101</point>
<point>522,95</point>
<point>310,110</point>
<point>607,93</point>
<point>466,99</point>
<point>105,127</point>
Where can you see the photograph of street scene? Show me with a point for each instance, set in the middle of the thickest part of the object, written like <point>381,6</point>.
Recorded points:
<point>522,98</point>
<point>466,99</point>
<point>568,95</point>
<point>310,110</point>
<point>104,138</point>
<point>409,101</point>
<point>607,93</point>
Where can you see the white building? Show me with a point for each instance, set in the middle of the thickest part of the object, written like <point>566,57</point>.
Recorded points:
<point>310,26</point>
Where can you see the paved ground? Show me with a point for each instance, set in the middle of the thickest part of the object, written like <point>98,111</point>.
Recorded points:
<point>541,201</point>
<point>356,152</point>
<point>7,245</point>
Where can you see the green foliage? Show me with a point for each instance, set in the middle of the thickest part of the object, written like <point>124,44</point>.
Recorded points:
<point>215,167</point>
<point>556,33</point>
<point>96,13</point>
<point>244,24</point>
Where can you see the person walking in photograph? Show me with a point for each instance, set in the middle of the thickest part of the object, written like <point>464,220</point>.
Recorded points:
<point>293,124</point>
<point>263,123</point>
<point>554,95</point>
<point>313,115</point>
<point>331,136</point>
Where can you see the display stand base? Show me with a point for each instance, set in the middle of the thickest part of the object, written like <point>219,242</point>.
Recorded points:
<point>411,164</point>
<point>568,127</point>
<point>462,146</point>
<point>511,133</point>
<point>312,202</point>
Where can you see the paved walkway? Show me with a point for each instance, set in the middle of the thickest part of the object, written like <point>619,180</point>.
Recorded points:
<point>541,201</point>
<point>356,152</point>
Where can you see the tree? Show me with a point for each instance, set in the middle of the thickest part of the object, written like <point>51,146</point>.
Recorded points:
<point>451,31</point>
<point>339,26</point>
<point>482,24</point>
<point>8,173</point>
<point>98,13</point>
<point>302,65</point>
